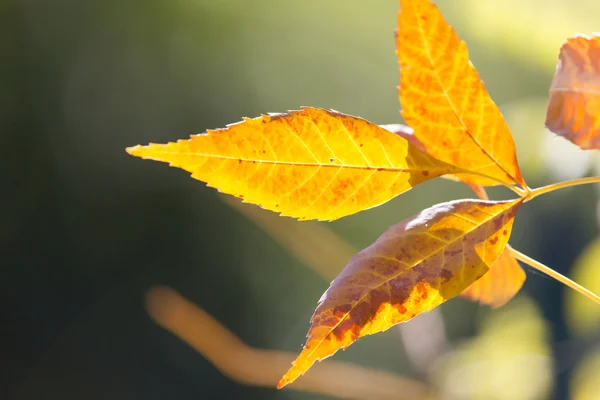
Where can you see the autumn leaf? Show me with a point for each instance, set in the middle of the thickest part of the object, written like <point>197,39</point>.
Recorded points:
<point>574,104</point>
<point>445,101</point>
<point>413,267</point>
<point>308,164</point>
<point>504,278</point>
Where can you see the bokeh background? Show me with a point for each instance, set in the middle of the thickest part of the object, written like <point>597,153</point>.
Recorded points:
<point>86,230</point>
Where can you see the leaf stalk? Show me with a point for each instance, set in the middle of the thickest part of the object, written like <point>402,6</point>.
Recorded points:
<point>561,185</point>
<point>552,273</point>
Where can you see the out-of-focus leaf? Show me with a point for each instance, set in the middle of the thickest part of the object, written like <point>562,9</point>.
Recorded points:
<point>500,284</point>
<point>413,267</point>
<point>574,103</point>
<point>581,314</point>
<point>508,360</point>
<point>308,164</point>
<point>585,384</point>
<point>446,103</point>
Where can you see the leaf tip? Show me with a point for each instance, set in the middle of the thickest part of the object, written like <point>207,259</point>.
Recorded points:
<point>289,377</point>
<point>133,150</point>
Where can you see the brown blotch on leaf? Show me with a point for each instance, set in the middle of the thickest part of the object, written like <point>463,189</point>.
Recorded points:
<point>494,240</point>
<point>446,274</point>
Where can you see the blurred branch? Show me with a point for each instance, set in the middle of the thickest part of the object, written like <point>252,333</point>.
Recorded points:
<point>317,246</point>
<point>256,367</point>
<point>321,249</point>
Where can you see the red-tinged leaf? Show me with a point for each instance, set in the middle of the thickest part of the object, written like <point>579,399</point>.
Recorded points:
<point>446,103</point>
<point>413,267</point>
<point>574,103</point>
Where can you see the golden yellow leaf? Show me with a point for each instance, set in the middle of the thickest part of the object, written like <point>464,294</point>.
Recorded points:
<point>446,103</point>
<point>308,164</point>
<point>413,267</point>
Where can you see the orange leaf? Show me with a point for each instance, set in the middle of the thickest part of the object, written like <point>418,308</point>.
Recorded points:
<point>446,103</point>
<point>574,103</point>
<point>308,164</point>
<point>500,284</point>
<point>504,279</point>
<point>413,267</point>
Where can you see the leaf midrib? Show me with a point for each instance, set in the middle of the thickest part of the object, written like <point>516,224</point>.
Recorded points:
<point>447,168</point>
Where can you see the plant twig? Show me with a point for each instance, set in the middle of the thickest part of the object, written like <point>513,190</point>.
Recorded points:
<point>257,367</point>
<point>552,273</point>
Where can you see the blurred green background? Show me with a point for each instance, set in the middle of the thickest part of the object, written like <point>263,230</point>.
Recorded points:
<point>86,229</point>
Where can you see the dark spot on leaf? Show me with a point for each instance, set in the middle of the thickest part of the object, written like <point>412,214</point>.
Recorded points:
<point>425,173</point>
<point>361,145</point>
<point>331,159</point>
<point>505,232</point>
<point>446,274</point>
<point>494,240</point>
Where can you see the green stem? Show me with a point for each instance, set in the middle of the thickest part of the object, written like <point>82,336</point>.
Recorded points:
<point>550,272</point>
<point>560,185</point>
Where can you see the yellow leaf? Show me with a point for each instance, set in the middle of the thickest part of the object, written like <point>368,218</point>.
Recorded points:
<point>413,267</point>
<point>446,103</point>
<point>308,164</point>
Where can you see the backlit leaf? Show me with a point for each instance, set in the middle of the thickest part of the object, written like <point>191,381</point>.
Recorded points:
<point>413,267</point>
<point>574,103</point>
<point>308,164</point>
<point>446,103</point>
